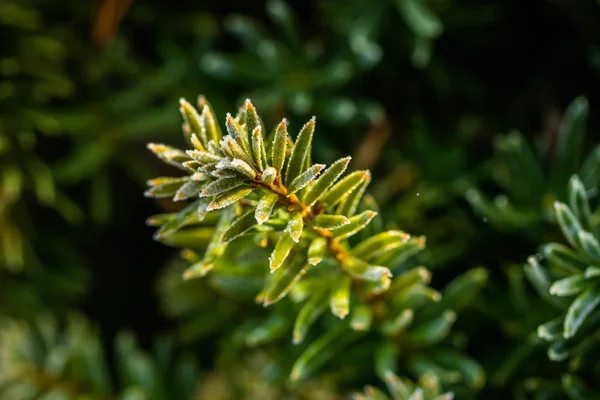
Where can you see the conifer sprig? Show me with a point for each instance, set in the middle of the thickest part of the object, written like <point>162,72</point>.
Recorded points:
<point>566,275</point>
<point>271,184</point>
<point>257,194</point>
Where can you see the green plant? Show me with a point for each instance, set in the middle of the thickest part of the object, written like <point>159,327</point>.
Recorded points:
<point>566,276</point>
<point>536,201</point>
<point>530,189</point>
<point>47,359</point>
<point>54,89</point>
<point>365,22</point>
<point>328,249</point>
<point>287,75</point>
<point>428,388</point>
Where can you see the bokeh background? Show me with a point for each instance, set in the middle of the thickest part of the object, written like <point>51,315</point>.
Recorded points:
<point>422,93</point>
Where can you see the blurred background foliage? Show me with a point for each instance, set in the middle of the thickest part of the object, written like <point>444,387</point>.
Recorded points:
<point>471,116</point>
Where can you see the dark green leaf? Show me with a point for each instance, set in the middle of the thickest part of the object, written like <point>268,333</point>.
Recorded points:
<point>433,331</point>
<point>579,310</point>
<point>419,18</point>
<point>309,312</point>
<point>238,227</point>
<point>284,278</point>
<point>552,329</point>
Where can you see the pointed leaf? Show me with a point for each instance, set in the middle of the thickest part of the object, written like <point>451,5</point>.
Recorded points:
<point>229,197</point>
<point>357,223</point>
<point>238,227</point>
<point>569,286</point>
<point>169,155</point>
<point>472,373</point>
<point>221,185</point>
<point>258,148</point>
<point>299,152</point>
<point>214,251</point>
<point>579,203</point>
<point>398,255</point>
<point>164,187</point>
<point>592,271</point>
<point>433,331</point>
<point>414,276</point>
<point>579,310</point>
<point>568,223</point>
<point>193,119</point>
<point>295,226</point>
<point>281,251</point>
<point>419,18</point>
<point>399,324</point>
<point>463,290</point>
<point>551,330</point>
<point>343,188</point>
<point>379,244</point>
<point>361,317</point>
<point>268,176</point>
<point>243,168</point>
<point>196,237</point>
<point>213,129</point>
<point>203,157</point>
<point>283,279</point>
<point>279,147</point>
<point>236,150</point>
<point>213,147</point>
<point>339,301</point>
<point>326,179</point>
<point>252,118</point>
<point>272,329</point>
<point>203,208</point>
<point>238,134</point>
<point>590,170</point>
<point>188,190</point>
<point>563,256</point>
<point>195,141</point>
<point>325,221</point>
<point>265,207</point>
<point>309,313</point>
<point>363,271</point>
<point>320,351</point>
<point>386,358</point>
<point>305,178</point>
<point>178,220</point>
<point>590,245</point>
<point>350,202</point>
<point>538,277</point>
<point>317,250</point>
